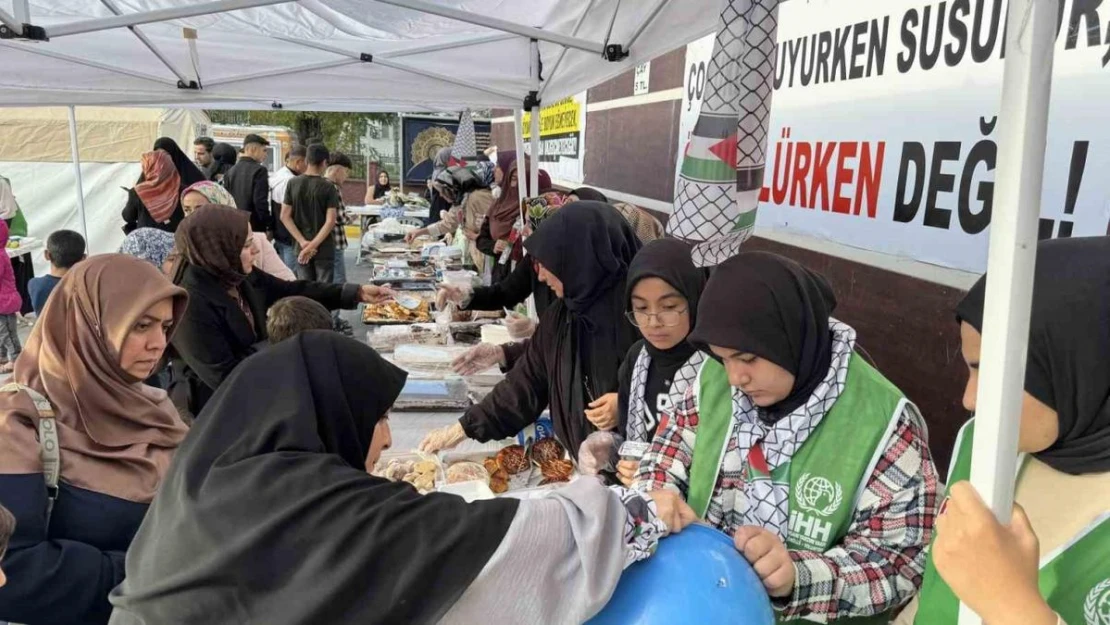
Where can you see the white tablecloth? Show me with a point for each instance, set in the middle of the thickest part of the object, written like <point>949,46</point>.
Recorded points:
<point>27,245</point>
<point>376,211</point>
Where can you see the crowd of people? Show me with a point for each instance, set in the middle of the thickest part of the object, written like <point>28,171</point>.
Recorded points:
<point>186,439</point>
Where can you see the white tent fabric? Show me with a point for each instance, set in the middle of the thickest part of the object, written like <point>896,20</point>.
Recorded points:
<point>35,157</point>
<point>307,54</point>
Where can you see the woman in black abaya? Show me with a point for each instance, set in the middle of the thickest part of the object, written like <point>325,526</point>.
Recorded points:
<point>268,515</point>
<point>582,253</point>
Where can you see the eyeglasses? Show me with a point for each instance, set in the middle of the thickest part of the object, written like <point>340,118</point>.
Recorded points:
<point>667,318</point>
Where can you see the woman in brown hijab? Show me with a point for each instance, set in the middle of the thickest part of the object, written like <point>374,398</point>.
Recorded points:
<point>228,300</point>
<point>83,442</point>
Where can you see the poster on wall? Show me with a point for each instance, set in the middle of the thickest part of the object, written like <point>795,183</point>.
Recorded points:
<point>562,138</point>
<point>884,126</point>
<point>423,137</point>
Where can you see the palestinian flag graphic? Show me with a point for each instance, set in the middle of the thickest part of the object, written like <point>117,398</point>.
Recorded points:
<point>723,165</point>
<point>465,150</point>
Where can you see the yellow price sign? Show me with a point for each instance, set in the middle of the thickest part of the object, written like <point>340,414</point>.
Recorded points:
<point>559,118</point>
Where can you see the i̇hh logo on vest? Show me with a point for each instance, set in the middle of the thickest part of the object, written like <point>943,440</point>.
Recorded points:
<point>1096,608</point>
<point>817,498</point>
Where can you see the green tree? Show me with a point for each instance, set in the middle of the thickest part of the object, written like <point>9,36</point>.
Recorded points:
<point>339,131</point>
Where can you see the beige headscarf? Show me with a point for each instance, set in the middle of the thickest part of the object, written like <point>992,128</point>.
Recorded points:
<point>117,435</point>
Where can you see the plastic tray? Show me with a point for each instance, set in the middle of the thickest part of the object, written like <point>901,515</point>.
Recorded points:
<point>522,480</point>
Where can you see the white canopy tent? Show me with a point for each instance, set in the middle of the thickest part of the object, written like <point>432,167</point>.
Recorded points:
<point>393,55</point>
<point>347,55</point>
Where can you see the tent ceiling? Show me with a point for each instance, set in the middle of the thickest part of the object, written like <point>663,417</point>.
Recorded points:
<point>308,54</point>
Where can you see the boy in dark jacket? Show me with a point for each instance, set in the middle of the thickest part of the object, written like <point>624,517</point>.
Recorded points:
<point>64,249</point>
<point>249,183</point>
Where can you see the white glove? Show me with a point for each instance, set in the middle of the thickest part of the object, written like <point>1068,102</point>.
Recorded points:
<point>520,327</point>
<point>479,358</point>
<point>454,293</point>
<point>599,452</point>
<point>443,438</point>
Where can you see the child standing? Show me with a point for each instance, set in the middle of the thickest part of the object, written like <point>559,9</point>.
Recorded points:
<point>10,304</point>
<point>64,249</point>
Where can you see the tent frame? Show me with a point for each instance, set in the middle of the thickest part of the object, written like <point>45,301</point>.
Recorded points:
<point>111,6</point>
<point>384,62</point>
<point>1023,132</point>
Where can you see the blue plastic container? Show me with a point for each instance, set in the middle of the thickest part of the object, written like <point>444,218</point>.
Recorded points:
<point>696,576</point>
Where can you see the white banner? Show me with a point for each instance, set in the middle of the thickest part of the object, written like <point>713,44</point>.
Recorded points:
<point>562,138</point>
<point>884,122</point>
<point>698,54</point>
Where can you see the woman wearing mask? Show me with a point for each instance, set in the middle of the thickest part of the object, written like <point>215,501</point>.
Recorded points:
<point>226,317</point>
<point>155,200</point>
<point>1063,484</point>
<point>380,189</point>
<point>78,391</point>
<point>582,252</point>
<point>791,442</point>
<point>206,552</point>
<point>267,259</point>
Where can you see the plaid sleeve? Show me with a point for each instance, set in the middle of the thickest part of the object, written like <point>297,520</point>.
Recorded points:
<point>667,464</point>
<point>880,563</point>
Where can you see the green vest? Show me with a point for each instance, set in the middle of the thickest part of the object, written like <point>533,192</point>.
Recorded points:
<point>1075,579</point>
<point>827,475</point>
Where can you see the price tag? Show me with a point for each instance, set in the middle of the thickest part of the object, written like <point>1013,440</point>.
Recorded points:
<point>642,79</point>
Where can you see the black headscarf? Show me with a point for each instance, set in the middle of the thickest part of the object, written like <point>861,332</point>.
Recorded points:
<point>267,514</point>
<point>1068,362</point>
<point>224,157</point>
<point>589,247</point>
<point>586,194</point>
<point>764,304</point>
<point>186,168</point>
<point>380,190</point>
<point>669,260</point>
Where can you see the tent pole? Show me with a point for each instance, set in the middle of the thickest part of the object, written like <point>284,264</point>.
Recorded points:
<point>111,6</point>
<point>494,23</point>
<point>451,45</point>
<point>9,20</point>
<point>563,52</point>
<point>384,62</point>
<point>159,15</point>
<point>644,24</point>
<point>1022,136</point>
<point>21,11</point>
<point>534,170</point>
<point>84,62</point>
<point>76,158</point>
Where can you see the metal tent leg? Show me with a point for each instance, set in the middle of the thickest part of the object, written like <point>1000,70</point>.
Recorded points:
<point>1023,129</point>
<point>76,158</point>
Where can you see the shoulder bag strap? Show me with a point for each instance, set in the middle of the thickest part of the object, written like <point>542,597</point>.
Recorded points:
<point>49,450</point>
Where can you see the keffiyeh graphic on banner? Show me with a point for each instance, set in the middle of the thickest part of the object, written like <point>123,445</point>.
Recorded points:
<point>723,165</point>
<point>465,151</point>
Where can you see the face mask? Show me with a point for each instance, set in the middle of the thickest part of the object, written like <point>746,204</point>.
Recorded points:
<point>495,191</point>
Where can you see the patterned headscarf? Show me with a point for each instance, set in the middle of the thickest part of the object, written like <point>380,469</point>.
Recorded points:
<point>149,244</point>
<point>158,189</point>
<point>212,239</point>
<point>213,192</point>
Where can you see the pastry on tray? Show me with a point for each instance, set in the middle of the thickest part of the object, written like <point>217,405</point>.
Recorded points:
<point>393,312</point>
